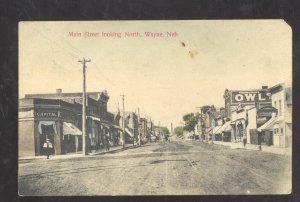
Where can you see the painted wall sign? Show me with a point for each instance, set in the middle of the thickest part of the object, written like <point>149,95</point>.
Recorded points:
<point>249,97</point>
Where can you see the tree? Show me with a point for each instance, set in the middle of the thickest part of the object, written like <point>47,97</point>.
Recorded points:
<point>163,129</point>
<point>191,121</point>
<point>178,131</point>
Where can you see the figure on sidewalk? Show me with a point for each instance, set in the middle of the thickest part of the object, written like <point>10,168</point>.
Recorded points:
<point>47,147</point>
<point>107,142</point>
<point>259,141</point>
<point>244,141</point>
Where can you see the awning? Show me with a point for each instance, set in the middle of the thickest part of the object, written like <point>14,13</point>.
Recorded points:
<point>226,127</point>
<point>105,125</point>
<point>216,130</point>
<point>268,125</point>
<point>118,127</point>
<point>70,129</point>
<point>94,118</point>
<point>128,132</point>
<point>47,123</point>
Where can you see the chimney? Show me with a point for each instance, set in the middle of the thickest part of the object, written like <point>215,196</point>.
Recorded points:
<point>264,87</point>
<point>59,90</point>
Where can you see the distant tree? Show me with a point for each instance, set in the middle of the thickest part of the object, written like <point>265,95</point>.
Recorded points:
<point>190,121</point>
<point>163,129</point>
<point>178,131</point>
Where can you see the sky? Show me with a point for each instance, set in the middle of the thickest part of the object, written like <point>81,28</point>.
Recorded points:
<point>165,77</point>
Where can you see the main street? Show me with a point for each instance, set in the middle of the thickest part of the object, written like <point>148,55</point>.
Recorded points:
<point>179,167</point>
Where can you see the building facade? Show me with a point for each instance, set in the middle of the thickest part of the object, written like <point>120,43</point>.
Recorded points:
<point>58,117</point>
<point>282,124</point>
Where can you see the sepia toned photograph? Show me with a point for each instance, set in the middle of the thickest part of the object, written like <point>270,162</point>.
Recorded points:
<point>155,107</point>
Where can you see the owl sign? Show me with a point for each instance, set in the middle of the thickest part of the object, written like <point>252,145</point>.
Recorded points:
<point>250,97</point>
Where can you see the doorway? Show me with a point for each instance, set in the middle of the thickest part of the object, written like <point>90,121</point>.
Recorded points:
<point>47,132</point>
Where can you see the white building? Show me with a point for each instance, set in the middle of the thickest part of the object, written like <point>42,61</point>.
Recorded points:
<point>243,121</point>
<point>281,96</point>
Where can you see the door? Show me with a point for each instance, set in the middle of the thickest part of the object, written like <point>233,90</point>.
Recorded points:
<point>47,132</point>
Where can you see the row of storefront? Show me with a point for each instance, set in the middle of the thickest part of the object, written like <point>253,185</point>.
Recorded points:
<point>58,117</point>
<point>262,116</point>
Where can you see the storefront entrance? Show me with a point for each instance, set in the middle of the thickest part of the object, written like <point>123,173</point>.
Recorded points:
<point>47,133</point>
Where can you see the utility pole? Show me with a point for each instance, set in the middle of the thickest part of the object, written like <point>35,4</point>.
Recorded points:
<point>83,62</point>
<point>200,123</point>
<point>123,122</point>
<point>139,137</point>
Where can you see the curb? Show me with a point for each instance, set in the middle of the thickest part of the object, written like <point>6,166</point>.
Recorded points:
<point>65,156</point>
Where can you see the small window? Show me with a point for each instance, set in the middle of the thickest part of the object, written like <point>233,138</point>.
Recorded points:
<point>275,131</point>
<point>282,130</point>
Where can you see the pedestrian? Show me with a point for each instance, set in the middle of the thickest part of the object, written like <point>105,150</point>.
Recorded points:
<point>107,142</point>
<point>244,141</point>
<point>259,137</point>
<point>47,147</point>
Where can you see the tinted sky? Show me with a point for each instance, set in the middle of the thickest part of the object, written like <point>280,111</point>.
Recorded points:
<point>166,77</point>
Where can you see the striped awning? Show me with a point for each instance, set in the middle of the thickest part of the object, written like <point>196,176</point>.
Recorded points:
<point>217,130</point>
<point>226,127</point>
<point>268,125</point>
<point>70,129</point>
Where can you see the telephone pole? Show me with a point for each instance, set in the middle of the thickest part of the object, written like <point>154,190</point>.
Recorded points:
<point>123,122</point>
<point>139,137</point>
<point>83,62</point>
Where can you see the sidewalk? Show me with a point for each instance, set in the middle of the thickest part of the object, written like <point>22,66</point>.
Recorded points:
<point>270,149</point>
<point>79,154</point>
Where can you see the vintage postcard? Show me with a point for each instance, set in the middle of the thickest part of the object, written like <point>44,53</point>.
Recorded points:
<point>179,107</point>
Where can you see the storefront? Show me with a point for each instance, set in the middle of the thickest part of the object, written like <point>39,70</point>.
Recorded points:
<point>243,123</point>
<point>72,138</point>
<point>282,133</point>
<point>217,133</point>
<point>42,119</point>
<point>266,131</point>
<point>226,132</point>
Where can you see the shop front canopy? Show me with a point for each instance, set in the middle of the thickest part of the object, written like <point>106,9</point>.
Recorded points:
<point>70,129</point>
<point>94,118</point>
<point>128,132</point>
<point>117,127</point>
<point>268,125</point>
<point>226,127</point>
<point>216,130</point>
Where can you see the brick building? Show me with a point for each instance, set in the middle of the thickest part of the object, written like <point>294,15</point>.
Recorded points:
<point>58,117</point>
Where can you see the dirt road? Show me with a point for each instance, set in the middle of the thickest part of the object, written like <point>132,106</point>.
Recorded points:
<point>176,168</point>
